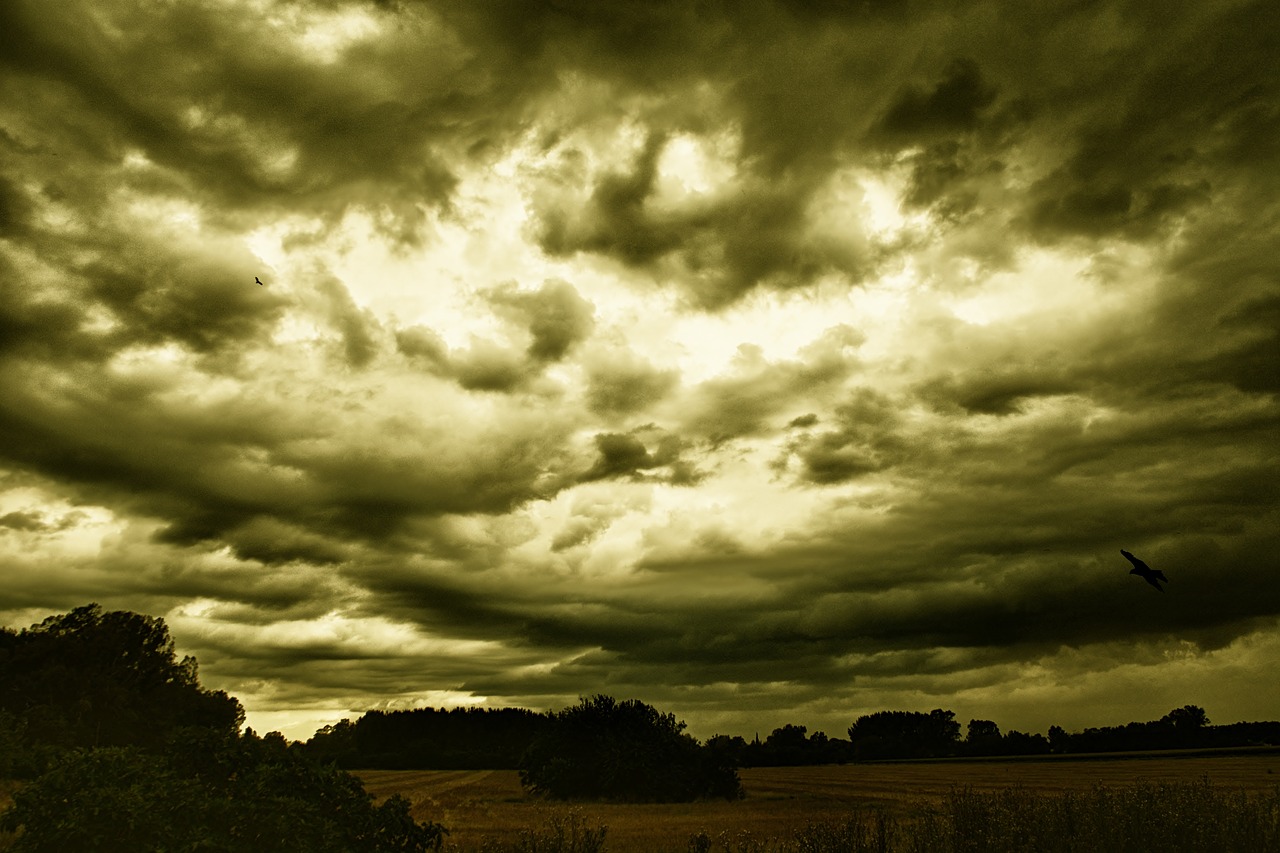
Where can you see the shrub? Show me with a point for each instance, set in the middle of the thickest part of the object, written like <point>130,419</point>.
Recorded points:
<point>205,794</point>
<point>605,749</point>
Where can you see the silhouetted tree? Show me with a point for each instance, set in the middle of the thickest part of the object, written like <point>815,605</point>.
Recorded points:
<point>729,749</point>
<point>89,678</point>
<point>490,738</point>
<point>1059,740</point>
<point>788,745</point>
<point>983,738</point>
<point>1188,718</point>
<point>605,749</point>
<point>1182,728</point>
<point>904,734</point>
<point>1021,743</point>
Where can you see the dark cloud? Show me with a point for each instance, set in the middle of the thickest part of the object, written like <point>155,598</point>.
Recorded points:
<point>419,342</point>
<point>747,400</point>
<point>614,221</point>
<point>1165,142</point>
<point>954,104</point>
<point>619,454</point>
<point>556,316</point>
<point>14,208</point>
<point>554,319</point>
<point>629,455</point>
<point>622,383</point>
<point>236,118</point>
<point>203,298</point>
<point>489,367</point>
<point>23,520</point>
<point>358,327</point>
<point>1041,241</point>
<point>718,249</point>
<point>33,324</point>
<point>997,391</point>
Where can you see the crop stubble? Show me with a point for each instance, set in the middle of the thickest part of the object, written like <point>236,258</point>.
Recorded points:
<point>479,805</point>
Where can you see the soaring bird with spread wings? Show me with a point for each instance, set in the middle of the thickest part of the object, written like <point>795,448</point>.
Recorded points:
<point>258,280</point>
<point>1142,570</point>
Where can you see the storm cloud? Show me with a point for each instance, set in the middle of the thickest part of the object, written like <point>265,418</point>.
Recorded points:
<point>778,362</point>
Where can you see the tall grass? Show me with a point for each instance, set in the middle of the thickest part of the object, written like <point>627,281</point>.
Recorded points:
<point>562,833</point>
<point>1141,818</point>
<point>1191,817</point>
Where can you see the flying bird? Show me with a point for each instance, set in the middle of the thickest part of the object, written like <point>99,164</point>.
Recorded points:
<point>258,280</point>
<point>1142,570</point>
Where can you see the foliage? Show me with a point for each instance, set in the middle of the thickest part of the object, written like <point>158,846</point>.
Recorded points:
<point>1188,718</point>
<point>209,793</point>
<point>489,738</point>
<point>786,746</point>
<point>1182,728</point>
<point>905,734</point>
<point>129,753</point>
<point>89,678</point>
<point>605,749</point>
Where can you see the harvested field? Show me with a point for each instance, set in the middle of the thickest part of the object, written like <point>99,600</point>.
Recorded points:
<point>486,805</point>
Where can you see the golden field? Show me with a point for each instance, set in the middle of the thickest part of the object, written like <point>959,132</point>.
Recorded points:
<point>489,805</point>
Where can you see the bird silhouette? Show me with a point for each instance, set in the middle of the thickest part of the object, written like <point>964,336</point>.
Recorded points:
<point>1142,570</point>
<point>258,280</point>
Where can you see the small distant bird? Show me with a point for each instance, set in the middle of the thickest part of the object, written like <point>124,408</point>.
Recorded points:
<point>1142,570</point>
<point>258,280</point>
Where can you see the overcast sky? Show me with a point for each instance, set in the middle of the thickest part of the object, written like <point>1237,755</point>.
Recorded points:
<point>770,362</point>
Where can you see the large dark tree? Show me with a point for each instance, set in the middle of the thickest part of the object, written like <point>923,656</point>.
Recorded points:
<point>1187,720</point>
<point>90,678</point>
<point>905,734</point>
<point>605,749</point>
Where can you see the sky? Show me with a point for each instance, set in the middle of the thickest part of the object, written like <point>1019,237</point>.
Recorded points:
<point>774,362</point>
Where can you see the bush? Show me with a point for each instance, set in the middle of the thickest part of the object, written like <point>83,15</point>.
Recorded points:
<point>605,749</point>
<point>208,794</point>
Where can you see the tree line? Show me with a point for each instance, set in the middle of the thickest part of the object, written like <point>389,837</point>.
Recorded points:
<point>500,738</point>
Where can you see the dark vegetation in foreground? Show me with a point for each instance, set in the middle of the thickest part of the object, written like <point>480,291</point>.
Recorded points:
<point>124,751</point>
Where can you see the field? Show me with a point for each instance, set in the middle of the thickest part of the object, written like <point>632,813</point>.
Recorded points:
<point>489,805</point>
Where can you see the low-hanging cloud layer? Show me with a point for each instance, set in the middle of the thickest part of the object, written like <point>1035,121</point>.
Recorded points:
<point>770,362</point>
